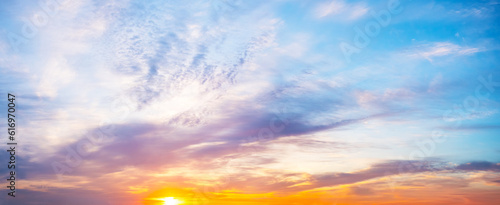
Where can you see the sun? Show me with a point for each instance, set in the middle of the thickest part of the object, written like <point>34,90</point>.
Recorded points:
<point>170,201</point>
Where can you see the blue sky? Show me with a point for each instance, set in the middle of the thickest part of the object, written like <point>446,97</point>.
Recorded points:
<point>228,93</point>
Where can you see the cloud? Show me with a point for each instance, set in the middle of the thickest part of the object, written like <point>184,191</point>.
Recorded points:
<point>356,190</point>
<point>392,169</point>
<point>341,9</point>
<point>440,49</point>
<point>479,165</point>
<point>59,196</point>
<point>333,7</point>
<point>175,74</point>
<point>363,183</point>
<point>479,10</point>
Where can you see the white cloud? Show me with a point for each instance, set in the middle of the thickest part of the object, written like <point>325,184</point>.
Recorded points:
<point>473,12</point>
<point>297,48</point>
<point>440,49</point>
<point>57,73</point>
<point>90,56</point>
<point>330,8</point>
<point>358,11</point>
<point>340,9</point>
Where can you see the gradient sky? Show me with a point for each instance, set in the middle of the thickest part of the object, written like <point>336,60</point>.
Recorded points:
<point>234,102</point>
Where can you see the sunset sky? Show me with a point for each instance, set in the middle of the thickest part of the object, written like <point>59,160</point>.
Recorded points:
<point>258,102</point>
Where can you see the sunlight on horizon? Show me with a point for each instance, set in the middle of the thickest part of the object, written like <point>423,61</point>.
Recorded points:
<point>170,201</point>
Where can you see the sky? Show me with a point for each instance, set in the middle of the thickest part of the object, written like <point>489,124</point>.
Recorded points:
<point>232,102</point>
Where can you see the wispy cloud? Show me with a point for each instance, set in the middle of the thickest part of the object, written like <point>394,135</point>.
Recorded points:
<point>340,9</point>
<point>440,49</point>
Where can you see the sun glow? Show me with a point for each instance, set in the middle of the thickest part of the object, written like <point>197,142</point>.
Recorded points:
<point>170,201</point>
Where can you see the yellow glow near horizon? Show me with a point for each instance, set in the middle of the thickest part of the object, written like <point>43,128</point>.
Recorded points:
<point>170,201</point>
